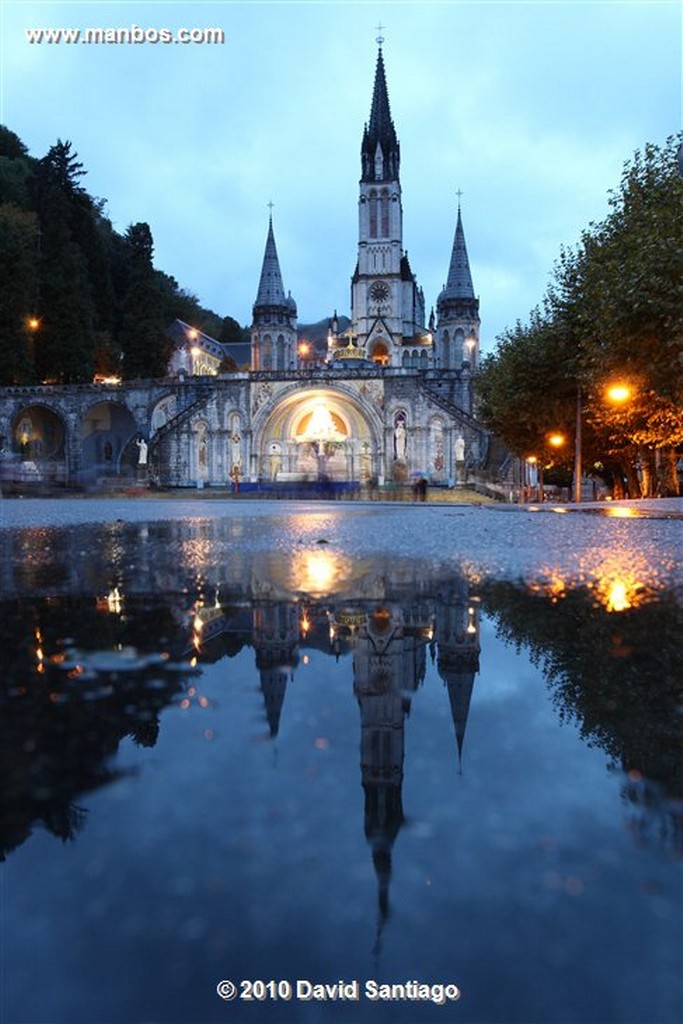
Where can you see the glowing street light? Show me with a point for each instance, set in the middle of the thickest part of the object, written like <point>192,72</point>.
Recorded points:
<point>33,323</point>
<point>619,393</point>
<point>556,440</point>
<point>304,351</point>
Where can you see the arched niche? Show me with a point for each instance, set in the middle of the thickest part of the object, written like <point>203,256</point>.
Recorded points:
<point>107,433</point>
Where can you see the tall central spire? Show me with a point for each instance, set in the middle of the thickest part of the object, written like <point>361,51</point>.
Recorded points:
<point>380,151</point>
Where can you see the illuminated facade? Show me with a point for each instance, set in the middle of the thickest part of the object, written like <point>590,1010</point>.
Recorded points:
<point>387,401</point>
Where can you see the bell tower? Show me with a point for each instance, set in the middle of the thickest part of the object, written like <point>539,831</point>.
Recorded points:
<point>458,323</point>
<point>273,329</point>
<point>385,300</point>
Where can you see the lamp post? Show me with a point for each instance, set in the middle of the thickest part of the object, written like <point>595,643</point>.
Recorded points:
<point>577,450</point>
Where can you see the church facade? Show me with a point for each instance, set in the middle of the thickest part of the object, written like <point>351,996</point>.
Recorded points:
<point>391,397</point>
<point>388,400</point>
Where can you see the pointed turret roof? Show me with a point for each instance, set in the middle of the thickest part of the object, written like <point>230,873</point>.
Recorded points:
<point>380,130</point>
<point>270,289</point>
<point>459,284</point>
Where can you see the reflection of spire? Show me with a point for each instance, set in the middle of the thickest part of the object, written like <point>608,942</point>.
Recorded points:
<point>276,637</point>
<point>457,636</point>
<point>379,664</point>
<point>273,686</point>
<point>460,694</point>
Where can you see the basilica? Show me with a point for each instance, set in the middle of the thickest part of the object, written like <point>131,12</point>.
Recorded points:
<point>384,398</point>
<point>390,395</point>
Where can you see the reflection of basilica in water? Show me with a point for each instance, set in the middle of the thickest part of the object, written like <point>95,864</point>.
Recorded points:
<point>389,638</point>
<point>131,654</point>
<point>107,626</point>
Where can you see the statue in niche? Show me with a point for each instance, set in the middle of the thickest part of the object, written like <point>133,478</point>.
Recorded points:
<point>459,448</point>
<point>142,451</point>
<point>400,438</point>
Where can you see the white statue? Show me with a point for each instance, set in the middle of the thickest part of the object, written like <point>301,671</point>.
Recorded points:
<point>142,451</point>
<point>400,439</point>
<point>459,448</point>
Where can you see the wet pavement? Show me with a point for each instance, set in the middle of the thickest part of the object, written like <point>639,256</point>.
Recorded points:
<point>430,755</point>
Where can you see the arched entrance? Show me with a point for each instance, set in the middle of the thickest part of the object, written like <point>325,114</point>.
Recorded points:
<point>319,433</point>
<point>380,353</point>
<point>108,430</point>
<point>38,438</point>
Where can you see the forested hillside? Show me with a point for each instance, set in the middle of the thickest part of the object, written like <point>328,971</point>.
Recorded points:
<point>76,297</point>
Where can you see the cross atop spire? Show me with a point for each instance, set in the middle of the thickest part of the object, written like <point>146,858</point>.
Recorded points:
<point>380,37</point>
<point>459,193</point>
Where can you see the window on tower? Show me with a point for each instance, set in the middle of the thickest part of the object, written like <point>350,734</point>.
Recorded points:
<point>385,213</point>
<point>373,215</point>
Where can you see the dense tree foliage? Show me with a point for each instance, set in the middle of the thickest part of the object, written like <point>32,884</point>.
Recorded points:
<point>78,298</point>
<point>613,314</point>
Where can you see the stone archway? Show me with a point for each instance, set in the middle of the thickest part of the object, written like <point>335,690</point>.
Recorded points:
<point>107,433</point>
<point>316,433</point>
<point>380,353</point>
<point>38,437</point>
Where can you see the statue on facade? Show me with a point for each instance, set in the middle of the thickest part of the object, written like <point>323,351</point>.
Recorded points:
<point>400,439</point>
<point>459,448</point>
<point>143,449</point>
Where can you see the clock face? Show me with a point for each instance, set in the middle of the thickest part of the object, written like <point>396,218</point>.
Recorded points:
<point>379,291</point>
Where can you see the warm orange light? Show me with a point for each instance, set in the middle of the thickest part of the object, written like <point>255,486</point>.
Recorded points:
<point>193,333</point>
<point>619,393</point>
<point>617,597</point>
<point>196,351</point>
<point>532,460</point>
<point>304,348</point>
<point>556,440</point>
<point>33,323</point>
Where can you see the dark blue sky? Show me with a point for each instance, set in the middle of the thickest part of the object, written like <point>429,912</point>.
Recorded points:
<point>530,108</point>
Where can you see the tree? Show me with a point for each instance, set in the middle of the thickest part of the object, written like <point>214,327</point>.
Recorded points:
<point>613,312</point>
<point>231,332</point>
<point>64,351</point>
<point>19,275</point>
<point>146,349</point>
<point>16,170</point>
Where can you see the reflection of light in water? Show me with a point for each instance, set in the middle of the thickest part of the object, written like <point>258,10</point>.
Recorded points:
<point>621,512</point>
<point>316,572</point>
<point>620,579</point>
<point>616,598</point>
<point>40,657</point>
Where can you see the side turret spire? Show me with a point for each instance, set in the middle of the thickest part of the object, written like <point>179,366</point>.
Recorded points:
<point>459,284</point>
<point>270,290</point>
<point>273,329</point>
